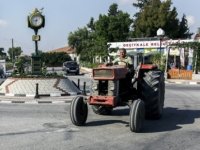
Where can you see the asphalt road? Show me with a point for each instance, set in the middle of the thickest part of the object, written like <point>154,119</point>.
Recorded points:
<point>48,126</point>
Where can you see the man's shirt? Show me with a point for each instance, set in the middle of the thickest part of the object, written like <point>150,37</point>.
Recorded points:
<point>123,61</point>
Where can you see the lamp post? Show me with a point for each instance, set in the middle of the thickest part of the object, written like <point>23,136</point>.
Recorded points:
<point>160,34</point>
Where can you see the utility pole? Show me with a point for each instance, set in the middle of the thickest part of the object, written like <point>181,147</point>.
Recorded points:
<point>12,50</point>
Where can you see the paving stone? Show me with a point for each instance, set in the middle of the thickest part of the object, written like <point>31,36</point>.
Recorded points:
<point>45,87</point>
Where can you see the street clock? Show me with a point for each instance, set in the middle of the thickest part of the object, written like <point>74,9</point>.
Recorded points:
<point>36,20</point>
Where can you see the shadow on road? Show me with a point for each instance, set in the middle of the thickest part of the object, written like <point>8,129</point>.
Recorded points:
<point>105,122</point>
<point>172,119</point>
<point>115,112</point>
<point>72,74</point>
<point>121,112</point>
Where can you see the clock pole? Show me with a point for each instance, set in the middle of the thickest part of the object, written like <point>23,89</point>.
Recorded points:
<point>36,43</point>
<point>36,21</point>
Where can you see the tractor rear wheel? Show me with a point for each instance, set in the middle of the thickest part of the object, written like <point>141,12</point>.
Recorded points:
<point>153,94</point>
<point>101,110</point>
<point>78,111</point>
<point>137,115</point>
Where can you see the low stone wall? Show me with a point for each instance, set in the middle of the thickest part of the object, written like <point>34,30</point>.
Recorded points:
<point>179,74</point>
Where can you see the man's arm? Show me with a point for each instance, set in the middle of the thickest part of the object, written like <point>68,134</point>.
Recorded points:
<point>115,61</point>
<point>130,64</point>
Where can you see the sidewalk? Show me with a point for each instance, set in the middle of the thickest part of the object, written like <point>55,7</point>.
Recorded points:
<point>179,81</point>
<point>30,87</point>
<point>86,70</point>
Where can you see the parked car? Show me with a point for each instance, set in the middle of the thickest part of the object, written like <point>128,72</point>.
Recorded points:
<point>71,67</point>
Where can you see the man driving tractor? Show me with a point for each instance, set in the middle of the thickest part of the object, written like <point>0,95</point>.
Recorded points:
<point>123,59</point>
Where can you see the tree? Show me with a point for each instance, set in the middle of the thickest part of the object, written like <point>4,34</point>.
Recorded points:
<point>92,40</point>
<point>2,53</point>
<point>54,59</point>
<point>113,10</point>
<point>140,4</point>
<point>115,26</point>
<point>78,39</point>
<point>20,64</point>
<point>1,50</point>
<point>14,52</point>
<point>172,24</point>
<point>155,14</point>
<point>183,30</point>
<point>149,19</point>
<point>90,25</point>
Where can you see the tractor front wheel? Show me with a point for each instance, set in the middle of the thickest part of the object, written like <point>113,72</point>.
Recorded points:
<point>78,111</point>
<point>137,115</point>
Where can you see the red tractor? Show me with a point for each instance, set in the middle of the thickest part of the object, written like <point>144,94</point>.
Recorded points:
<point>142,90</point>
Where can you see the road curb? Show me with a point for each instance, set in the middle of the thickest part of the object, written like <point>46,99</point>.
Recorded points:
<point>43,95</point>
<point>34,102</point>
<point>184,82</point>
<point>41,100</point>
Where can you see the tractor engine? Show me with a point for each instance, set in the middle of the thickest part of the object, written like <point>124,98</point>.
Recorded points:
<point>107,85</point>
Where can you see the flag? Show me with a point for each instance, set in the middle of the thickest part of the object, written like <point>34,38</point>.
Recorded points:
<point>190,52</point>
<point>182,56</point>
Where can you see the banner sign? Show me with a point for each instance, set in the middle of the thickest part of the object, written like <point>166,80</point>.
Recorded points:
<point>145,44</point>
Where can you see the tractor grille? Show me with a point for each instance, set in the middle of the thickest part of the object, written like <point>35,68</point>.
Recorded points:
<point>105,87</point>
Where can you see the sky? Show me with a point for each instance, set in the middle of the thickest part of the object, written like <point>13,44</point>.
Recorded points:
<point>65,16</point>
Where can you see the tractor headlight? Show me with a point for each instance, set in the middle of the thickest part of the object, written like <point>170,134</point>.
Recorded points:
<point>112,88</point>
<point>95,85</point>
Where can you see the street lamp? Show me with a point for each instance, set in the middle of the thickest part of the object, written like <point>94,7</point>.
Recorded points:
<point>160,34</point>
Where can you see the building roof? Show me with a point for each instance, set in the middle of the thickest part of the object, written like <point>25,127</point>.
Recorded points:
<point>197,36</point>
<point>66,49</point>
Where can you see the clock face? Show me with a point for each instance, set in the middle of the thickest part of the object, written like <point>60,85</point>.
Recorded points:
<point>36,20</point>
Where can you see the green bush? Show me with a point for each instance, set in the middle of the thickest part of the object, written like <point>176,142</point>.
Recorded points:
<point>159,60</point>
<point>55,59</point>
<point>88,64</point>
<point>9,65</point>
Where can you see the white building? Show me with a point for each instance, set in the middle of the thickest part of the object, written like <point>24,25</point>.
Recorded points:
<point>148,47</point>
